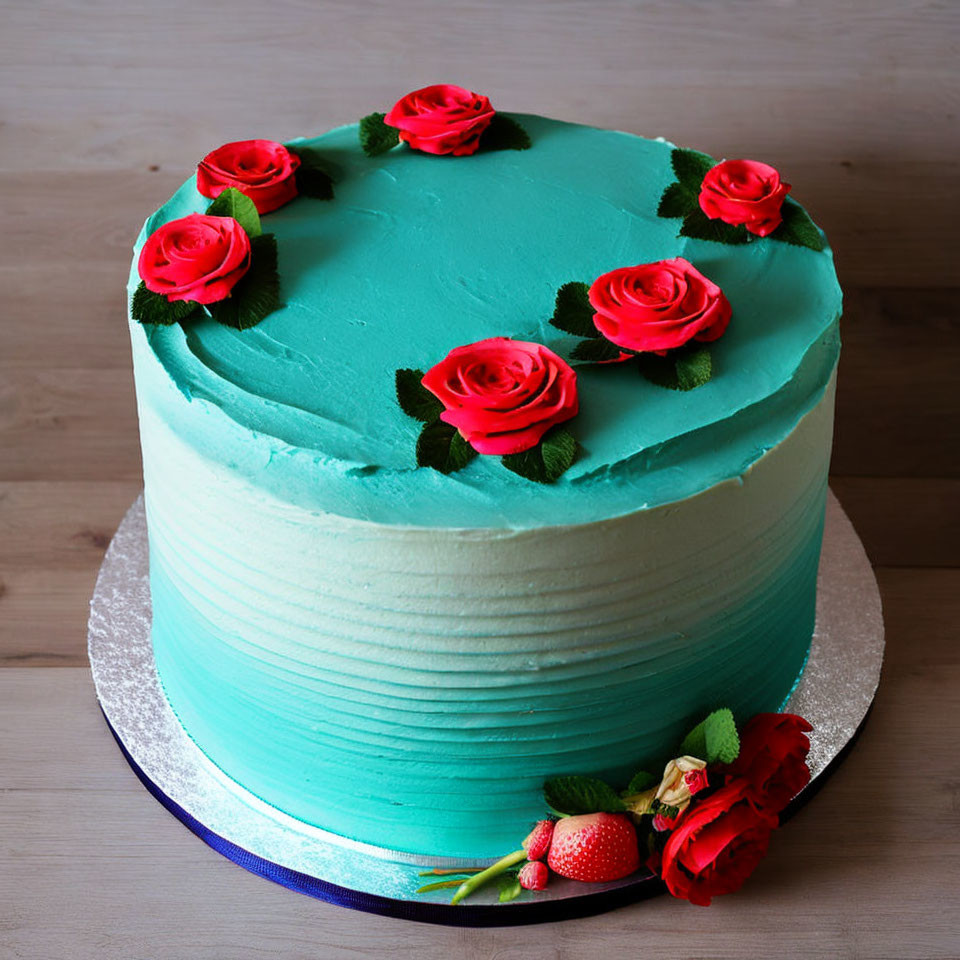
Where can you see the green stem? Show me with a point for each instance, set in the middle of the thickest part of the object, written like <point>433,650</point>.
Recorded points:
<point>443,871</point>
<point>501,866</point>
<point>440,884</point>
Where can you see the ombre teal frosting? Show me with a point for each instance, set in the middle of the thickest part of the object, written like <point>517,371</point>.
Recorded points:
<point>402,657</point>
<point>419,254</point>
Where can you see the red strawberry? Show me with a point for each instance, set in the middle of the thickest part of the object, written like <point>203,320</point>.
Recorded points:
<point>533,875</point>
<point>538,840</point>
<point>594,847</point>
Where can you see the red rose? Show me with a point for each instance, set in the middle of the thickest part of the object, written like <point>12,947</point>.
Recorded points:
<point>503,395</point>
<point>744,192</point>
<point>441,119</point>
<point>197,258</point>
<point>658,306</point>
<point>264,170</point>
<point>773,757</point>
<point>716,844</point>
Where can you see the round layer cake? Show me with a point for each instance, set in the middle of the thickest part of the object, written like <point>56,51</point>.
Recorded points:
<point>401,656</point>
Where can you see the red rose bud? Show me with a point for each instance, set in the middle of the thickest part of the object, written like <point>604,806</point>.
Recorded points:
<point>655,307</point>
<point>773,757</point>
<point>538,840</point>
<point>441,119</point>
<point>716,844</point>
<point>533,875</point>
<point>744,193</point>
<point>263,170</point>
<point>696,780</point>
<point>503,395</point>
<point>196,258</point>
<point>595,847</point>
<point>662,824</point>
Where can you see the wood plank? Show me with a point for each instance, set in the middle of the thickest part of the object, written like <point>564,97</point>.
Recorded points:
<point>83,847</point>
<point>52,539</point>
<point>68,424</point>
<point>66,525</point>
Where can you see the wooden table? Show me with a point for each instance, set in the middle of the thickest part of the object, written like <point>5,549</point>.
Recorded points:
<point>105,106</point>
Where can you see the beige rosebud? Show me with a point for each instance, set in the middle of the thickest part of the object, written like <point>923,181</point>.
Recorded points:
<point>674,790</point>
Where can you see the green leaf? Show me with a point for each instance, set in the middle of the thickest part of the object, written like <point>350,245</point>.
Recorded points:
<point>509,886</point>
<point>683,369</point>
<point>595,351</point>
<point>440,446</point>
<point>572,311</point>
<point>690,166</point>
<point>694,368</point>
<point>233,203</point>
<point>699,226</point>
<point>150,307</point>
<point>375,136</point>
<point>545,462</point>
<point>504,133</point>
<point>641,780</point>
<point>414,398</point>
<point>312,179</point>
<point>576,795</point>
<point>714,739</point>
<point>257,293</point>
<point>677,201</point>
<point>797,228</point>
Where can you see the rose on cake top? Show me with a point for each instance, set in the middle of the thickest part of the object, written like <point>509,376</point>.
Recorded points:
<point>734,202</point>
<point>497,397</point>
<point>264,170</point>
<point>198,258</point>
<point>503,395</point>
<point>655,307</point>
<point>218,264</point>
<point>658,314</point>
<point>441,119</point>
<point>444,120</point>
<point>744,193</point>
<point>269,173</point>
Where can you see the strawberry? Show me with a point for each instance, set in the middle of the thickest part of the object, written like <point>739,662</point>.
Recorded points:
<point>538,840</point>
<point>533,875</point>
<point>594,847</point>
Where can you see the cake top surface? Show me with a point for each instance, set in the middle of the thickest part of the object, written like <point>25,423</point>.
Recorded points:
<point>418,254</point>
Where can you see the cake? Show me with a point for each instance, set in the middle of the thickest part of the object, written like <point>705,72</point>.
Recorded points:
<point>401,655</point>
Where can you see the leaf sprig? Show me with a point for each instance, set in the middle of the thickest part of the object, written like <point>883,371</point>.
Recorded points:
<point>681,200</point>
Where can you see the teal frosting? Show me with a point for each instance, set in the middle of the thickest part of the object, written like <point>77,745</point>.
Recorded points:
<point>419,254</point>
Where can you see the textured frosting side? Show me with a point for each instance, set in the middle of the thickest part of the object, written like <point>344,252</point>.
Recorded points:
<point>413,687</point>
<point>419,254</point>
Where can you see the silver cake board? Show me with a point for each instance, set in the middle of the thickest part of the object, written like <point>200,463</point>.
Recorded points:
<point>835,694</point>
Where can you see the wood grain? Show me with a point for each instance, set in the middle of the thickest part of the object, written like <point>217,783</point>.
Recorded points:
<point>92,867</point>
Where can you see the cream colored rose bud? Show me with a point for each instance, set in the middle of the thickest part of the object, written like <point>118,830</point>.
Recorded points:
<point>674,790</point>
